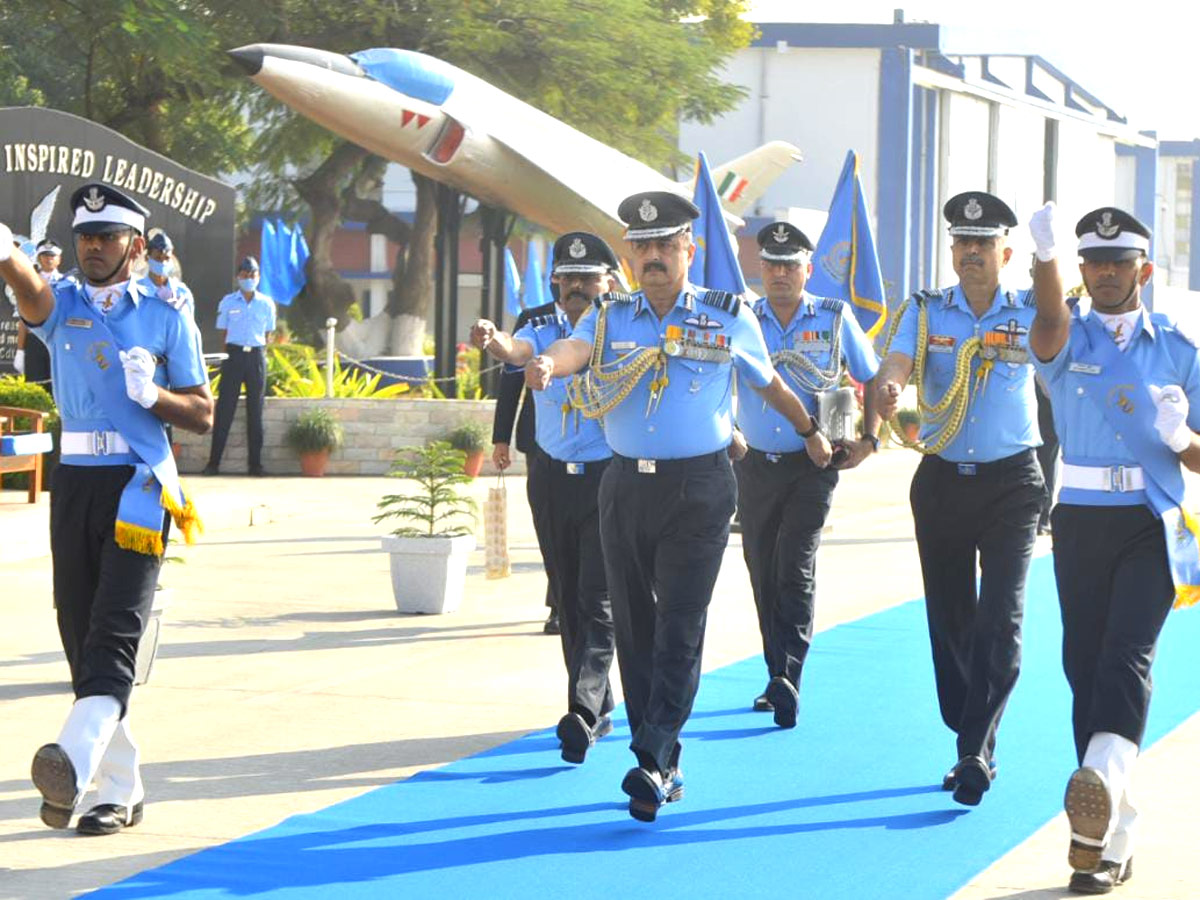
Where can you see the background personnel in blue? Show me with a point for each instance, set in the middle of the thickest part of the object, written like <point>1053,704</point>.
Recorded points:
<point>660,371</point>
<point>161,266</point>
<point>512,394</point>
<point>246,317</point>
<point>1125,385</point>
<point>784,497</point>
<point>32,359</point>
<point>124,364</point>
<point>565,468</point>
<point>976,495</point>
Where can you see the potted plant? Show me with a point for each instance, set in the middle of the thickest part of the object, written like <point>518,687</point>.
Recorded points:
<point>314,435</point>
<point>910,423</point>
<point>472,439</point>
<point>429,549</point>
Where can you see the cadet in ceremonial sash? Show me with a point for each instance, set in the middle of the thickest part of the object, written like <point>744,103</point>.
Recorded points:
<point>660,368</point>
<point>1125,385</point>
<point>124,363</point>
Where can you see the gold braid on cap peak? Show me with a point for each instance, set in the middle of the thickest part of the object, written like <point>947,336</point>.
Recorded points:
<point>603,386</point>
<point>947,415</point>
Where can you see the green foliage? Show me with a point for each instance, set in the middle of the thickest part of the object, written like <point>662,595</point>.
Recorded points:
<point>301,376</point>
<point>469,437</point>
<point>315,430</point>
<point>466,373</point>
<point>436,506</point>
<point>906,416</point>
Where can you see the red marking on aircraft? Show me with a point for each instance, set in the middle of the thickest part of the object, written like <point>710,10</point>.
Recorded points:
<point>421,120</point>
<point>406,117</point>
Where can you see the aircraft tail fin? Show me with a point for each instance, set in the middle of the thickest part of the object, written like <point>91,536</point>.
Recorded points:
<point>741,181</point>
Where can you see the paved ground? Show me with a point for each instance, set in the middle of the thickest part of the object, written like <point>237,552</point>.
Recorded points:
<point>287,681</point>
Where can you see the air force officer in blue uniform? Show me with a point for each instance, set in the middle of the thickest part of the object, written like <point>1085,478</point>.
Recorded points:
<point>660,366</point>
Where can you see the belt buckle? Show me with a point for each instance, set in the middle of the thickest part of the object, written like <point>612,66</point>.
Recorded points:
<point>966,468</point>
<point>99,443</point>
<point>1116,479</point>
<point>574,468</point>
<point>773,457</point>
<point>647,466</point>
<point>246,349</point>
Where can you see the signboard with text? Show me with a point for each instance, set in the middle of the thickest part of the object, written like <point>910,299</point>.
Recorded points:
<point>43,151</point>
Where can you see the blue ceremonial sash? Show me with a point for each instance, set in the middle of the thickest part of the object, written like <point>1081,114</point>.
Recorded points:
<point>1120,391</point>
<point>155,483</point>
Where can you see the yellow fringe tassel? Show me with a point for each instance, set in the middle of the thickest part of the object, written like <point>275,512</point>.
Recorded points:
<point>186,519</point>
<point>1187,595</point>
<point>139,540</point>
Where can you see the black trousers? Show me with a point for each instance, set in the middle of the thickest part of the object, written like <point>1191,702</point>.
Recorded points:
<point>103,594</point>
<point>241,368</point>
<point>37,362</point>
<point>989,517</point>
<point>784,501</point>
<point>1115,591</point>
<point>663,535</point>
<point>568,533</point>
<point>534,476</point>
<point>1047,454</point>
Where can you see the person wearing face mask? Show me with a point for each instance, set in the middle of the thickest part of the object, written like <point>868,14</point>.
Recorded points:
<point>161,268</point>
<point>1125,385</point>
<point>978,491</point>
<point>565,467</point>
<point>32,358</point>
<point>247,317</point>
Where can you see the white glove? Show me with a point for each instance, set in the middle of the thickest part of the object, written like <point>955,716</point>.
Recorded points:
<point>1171,417</point>
<point>19,361</point>
<point>6,247</point>
<point>139,376</point>
<point>1041,226</point>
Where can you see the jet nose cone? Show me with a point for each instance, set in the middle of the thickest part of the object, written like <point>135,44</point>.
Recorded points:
<point>249,58</point>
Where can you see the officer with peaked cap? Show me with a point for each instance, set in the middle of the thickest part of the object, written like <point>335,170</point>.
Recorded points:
<point>124,365</point>
<point>162,268</point>
<point>247,317</point>
<point>660,366</point>
<point>978,490</point>
<point>569,458</point>
<point>783,496</point>
<point>1125,385</point>
<point>32,359</point>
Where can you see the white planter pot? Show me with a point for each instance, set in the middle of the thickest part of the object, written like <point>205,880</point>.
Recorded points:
<point>428,573</point>
<point>148,645</point>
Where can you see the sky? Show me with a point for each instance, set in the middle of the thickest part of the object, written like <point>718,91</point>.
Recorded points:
<point>1138,58</point>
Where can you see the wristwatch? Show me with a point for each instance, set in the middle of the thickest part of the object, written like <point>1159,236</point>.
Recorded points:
<point>812,429</point>
<point>874,439</point>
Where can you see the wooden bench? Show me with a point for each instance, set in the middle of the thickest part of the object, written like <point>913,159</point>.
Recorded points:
<point>22,451</point>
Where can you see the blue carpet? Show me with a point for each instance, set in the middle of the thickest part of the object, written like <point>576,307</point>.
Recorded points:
<point>848,805</point>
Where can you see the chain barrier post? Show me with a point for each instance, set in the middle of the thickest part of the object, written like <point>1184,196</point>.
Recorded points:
<point>330,325</point>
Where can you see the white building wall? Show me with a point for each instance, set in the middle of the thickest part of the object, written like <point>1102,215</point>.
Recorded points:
<point>824,101</point>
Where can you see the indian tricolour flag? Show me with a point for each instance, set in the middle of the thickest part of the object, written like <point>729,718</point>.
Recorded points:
<point>731,186</point>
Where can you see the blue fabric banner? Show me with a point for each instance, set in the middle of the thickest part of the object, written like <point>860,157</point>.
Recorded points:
<point>715,264</point>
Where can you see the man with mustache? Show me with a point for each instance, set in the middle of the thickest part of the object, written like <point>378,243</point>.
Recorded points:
<point>784,497</point>
<point>569,458</point>
<point>124,363</point>
<point>977,493</point>
<point>1125,385</point>
<point>660,366</point>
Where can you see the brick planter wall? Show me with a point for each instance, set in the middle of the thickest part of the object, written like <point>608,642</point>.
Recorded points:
<point>375,430</point>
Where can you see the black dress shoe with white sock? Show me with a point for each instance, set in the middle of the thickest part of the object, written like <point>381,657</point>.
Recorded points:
<point>109,818</point>
<point>53,775</point>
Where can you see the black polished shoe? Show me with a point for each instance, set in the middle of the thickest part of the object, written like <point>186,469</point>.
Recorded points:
<point>210,469</point>
<point>576,737</point>
<point>53,775</point>
<point>1089,811</point>
<point>972,778</point>
<point>649,790</point>
<point>1103,880</point>
<point>257,472</point>
<point>602,727</point>
<point>109,818</point>
<point>949,782</point>
<point>762,703</point>
<point>551,626</point>
<point>785,700</point>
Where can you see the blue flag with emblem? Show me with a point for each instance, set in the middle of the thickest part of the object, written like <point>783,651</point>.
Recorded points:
<point>535,290</point>
<point>845,264</point>
<point>512,285</point>
<point>715,264</point>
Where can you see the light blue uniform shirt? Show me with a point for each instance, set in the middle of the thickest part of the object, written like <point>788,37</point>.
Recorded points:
<point>1163,355</point>
<point>694,414</point>
<point>246,323</point>
<point>180,296</point>
<point>583,440</point>
<point>1002,419</point>
<point>809,332</point>
<point>138,319</point>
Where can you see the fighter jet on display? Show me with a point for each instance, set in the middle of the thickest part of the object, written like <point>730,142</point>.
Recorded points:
<point>456,128</point>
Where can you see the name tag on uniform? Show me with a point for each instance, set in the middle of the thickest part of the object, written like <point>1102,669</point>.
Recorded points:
<point>941,343</point>
<point>622,345</point>
<point>79,323</point>
<point>1083,368</point>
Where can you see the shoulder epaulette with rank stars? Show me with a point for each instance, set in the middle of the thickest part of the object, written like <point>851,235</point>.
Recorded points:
<point>612,297</point>
<point>547,319</point>
<point>833,304</point>
<point>725,300</point>
<point>1030,299</point>
<point>921,297</point>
